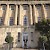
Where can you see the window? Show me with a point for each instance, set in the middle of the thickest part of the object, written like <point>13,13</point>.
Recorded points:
<point>3,7</point>
<point>18,36</point>
<point>39,19</point>
<point>31,36</point>
<point>11,21</point>
<point>25,20</point>
<point>1,21</point>
<point>25,7</point>
<point>12,7</point>
<point>46,6</point>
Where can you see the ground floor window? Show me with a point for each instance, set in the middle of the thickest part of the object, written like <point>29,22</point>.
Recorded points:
<point>18,36</point>
<point>31,36</point>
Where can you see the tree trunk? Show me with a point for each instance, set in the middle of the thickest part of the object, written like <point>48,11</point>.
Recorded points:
<point>8,46</point>
<point>43,46</point>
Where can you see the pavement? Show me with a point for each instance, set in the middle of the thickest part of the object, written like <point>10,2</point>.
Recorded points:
<point>22,49</point>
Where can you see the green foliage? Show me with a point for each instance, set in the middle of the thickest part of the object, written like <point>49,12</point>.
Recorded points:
<point>44,28</point>
<point>9,39</point>
<point>44,38</point>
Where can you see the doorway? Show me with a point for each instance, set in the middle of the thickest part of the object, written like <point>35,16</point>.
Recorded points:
<point>25,40</point>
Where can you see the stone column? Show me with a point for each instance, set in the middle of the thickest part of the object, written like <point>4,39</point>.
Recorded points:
<point>44,11</point>
<point>6,22</point>
<point>34,14</point>
<point>20,15</point>
<point>16,14</point>
<point>1,10</point>
<point>31,14</point>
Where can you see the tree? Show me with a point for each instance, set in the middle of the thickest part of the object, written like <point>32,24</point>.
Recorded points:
<point>44,28</point>
<point>43,39</point>
<point>9,40</point>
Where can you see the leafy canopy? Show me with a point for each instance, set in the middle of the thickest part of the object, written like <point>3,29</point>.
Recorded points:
<point>9,39</point>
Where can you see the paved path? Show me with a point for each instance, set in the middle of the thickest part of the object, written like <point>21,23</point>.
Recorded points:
<point>23,49</point>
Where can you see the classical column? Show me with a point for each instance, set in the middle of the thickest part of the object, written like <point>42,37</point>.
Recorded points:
<point>16,14</point>
<point>6,22</point>
<point>35,20</point>
<point>20,15</point>
<point>31,14</point>
<point>44,11</point>
<point>0,10</point>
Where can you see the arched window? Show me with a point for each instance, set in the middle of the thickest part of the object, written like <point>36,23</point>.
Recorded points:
<point>25,20</point>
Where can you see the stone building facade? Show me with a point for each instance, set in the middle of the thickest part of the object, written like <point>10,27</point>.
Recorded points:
<point>18,19</point>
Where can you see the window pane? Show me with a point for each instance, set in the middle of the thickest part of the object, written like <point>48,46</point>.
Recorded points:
<point>3,7</point>
<point>25,7</point>
<point>11,21</point>
<point>25,20</point>
<point>1,21</point>
<point>12,7</point>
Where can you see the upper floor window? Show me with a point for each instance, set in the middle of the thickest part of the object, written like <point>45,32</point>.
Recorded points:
<point>25,20</point>
<point>39,19</point>
<point>3,7</point>
<point>47,6</point>
<point>11,7</point>
<point>1,21</point>
<point>11,21</point>
<point>25,7</point>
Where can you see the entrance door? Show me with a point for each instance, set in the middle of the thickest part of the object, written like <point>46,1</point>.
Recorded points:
<point>25,41</point>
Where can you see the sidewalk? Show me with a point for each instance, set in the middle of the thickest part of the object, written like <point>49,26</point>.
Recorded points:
<point>22,49</point>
